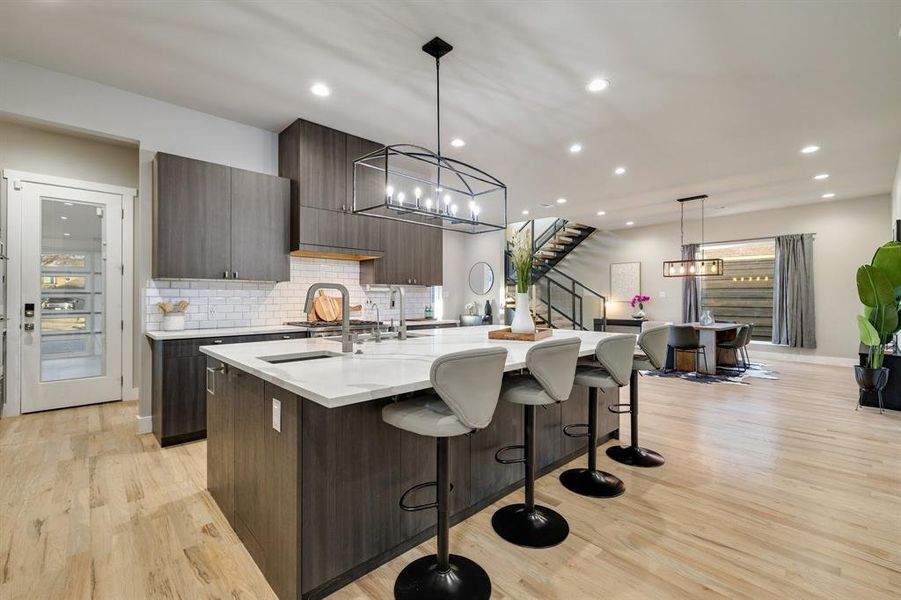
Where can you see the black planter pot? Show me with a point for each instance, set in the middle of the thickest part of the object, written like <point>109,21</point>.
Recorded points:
<point>871,380</point>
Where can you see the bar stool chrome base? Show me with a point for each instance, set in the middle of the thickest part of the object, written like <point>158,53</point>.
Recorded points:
<point>421,580</point>
<point>538,528</point>
<point>635,457</point>
<point>597,484</point>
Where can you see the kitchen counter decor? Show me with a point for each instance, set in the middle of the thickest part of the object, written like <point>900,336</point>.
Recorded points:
<point>174,315</point>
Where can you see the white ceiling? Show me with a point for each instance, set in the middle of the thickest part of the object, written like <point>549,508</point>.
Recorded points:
<point>706,97</point>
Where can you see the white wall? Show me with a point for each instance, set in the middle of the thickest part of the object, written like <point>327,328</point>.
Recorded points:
<point>54,98</point>
<point>460,252</point>
<point>896,195</point>
<point>847,233</point>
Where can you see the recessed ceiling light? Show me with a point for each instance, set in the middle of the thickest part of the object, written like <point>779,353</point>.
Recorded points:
<point>575,148</point>
<point>630,223</point>
<point>561,200</point>
<point>601,213</point>
<point>457,143</point>
<point>821,176</point>
<point>64,218</point>
<point>525,212</point>
<point>828,195</point>
<point>619,170</point>
<point>320,89</point>
<point>597,85</point>
<point>809,149</point>
<point>66,234</point>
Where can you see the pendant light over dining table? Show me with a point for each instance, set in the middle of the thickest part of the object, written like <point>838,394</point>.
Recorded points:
<point>694,266</point>
<point>406,182</point>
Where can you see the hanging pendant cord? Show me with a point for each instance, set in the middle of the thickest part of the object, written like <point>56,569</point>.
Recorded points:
<point>438,110</point>
<point>702,228</point>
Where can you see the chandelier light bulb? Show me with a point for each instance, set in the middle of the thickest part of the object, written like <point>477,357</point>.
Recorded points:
<point>400,197</point>
<point>476,210</point>
<point>453,209</point>
<point>681,268</point>
<point>389,191</point>
<point>428,203</point>
<point>417,192</point>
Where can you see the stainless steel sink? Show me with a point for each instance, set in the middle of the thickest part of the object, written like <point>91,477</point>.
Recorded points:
<point>299,356</point>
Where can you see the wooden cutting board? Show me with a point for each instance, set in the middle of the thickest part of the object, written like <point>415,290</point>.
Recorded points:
<point>328,308</point>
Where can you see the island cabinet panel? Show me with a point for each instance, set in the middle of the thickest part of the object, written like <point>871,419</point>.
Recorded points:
<point>316,504</point>
<point>221,431</point>
<point>351,485</point>
<point>266,479</point>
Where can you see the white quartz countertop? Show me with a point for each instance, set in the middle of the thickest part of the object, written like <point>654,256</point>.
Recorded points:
<point>186,334</point>
<point>385,369</point>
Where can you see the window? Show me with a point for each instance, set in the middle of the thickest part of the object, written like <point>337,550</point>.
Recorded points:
<point>744,292</point>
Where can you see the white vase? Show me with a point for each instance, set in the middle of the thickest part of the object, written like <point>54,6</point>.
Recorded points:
<point>174,322</point>
<point>522,318</point>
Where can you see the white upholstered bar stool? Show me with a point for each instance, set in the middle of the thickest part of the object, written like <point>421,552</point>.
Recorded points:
<point>552,366</point>
<point>468,384</point>
<point>614,365</point>
<point>651,355</point>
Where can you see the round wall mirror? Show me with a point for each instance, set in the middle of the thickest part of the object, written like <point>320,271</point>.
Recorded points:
<point>481,278</point>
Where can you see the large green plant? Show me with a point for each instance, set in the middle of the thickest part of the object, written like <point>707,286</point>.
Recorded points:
<point>879,289</point>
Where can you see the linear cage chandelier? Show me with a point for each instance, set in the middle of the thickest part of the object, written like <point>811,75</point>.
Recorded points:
<point>410,183</point>
<point>692,267</point>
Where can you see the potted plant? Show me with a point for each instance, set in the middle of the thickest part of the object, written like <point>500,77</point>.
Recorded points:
<point>522,266</point>
<point>879,290</point>
<point>639,300</point>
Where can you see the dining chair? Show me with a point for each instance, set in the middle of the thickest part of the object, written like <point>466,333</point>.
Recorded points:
<point>685,338</point>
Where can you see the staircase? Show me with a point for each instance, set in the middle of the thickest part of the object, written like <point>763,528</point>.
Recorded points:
<point>557,300</point>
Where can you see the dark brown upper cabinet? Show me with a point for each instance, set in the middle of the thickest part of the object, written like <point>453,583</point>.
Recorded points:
<point>319,162</point>
<point>191,218</point>
<point>260,230</point>
<point>216,222</point>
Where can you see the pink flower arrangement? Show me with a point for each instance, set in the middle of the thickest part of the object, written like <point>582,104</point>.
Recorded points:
<point>639,299</point>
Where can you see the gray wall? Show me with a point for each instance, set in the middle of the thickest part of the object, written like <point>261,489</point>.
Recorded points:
<point>847,233</point>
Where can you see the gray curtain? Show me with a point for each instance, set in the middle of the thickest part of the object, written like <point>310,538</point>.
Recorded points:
<point>691,288</point>
<point>793,303</point>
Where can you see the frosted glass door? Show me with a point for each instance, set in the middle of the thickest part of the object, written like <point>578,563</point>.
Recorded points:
<point>72,289</point>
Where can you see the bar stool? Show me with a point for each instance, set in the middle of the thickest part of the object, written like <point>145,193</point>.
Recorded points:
<point>652,344</point>
<point>614,355</point>
<point>467,384</point>
<point>552,366</point>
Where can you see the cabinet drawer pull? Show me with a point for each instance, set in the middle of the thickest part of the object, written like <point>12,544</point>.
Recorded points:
<point>225,274</point>
<point>217,341</point>
<point>211,378</point>
<point>286,337</point>
<point>234,274</point>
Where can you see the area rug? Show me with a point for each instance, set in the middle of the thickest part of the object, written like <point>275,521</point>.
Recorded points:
<point>755,371</point>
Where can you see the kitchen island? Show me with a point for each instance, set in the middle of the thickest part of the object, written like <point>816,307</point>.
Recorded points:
<point>309,476</point>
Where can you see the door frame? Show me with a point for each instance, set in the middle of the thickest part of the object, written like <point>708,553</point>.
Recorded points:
<point>14,181</point>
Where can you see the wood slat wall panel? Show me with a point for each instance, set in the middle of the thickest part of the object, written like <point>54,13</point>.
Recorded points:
<point>742,301</point>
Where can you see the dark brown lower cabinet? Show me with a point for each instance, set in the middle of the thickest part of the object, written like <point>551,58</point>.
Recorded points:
<point>316,503</point>
<point>179,394</point>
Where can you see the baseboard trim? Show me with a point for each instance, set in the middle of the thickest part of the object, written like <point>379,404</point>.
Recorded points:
<point>144,424</point>
<point>832,361</point>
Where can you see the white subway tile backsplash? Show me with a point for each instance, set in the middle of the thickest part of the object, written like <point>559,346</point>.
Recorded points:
<point>247,304</point>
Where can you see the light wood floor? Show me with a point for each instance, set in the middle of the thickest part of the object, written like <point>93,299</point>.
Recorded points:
<point>777,489</point>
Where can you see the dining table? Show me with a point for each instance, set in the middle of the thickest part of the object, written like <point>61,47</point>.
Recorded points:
<point>709,335</point>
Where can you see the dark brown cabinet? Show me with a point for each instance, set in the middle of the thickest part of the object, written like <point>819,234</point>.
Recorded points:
<point>191,218</point>
<point>221,430</point>
<point>181,384</point>
<point>216,222</point>
<point>319,162</point>
<point>260,230</point>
